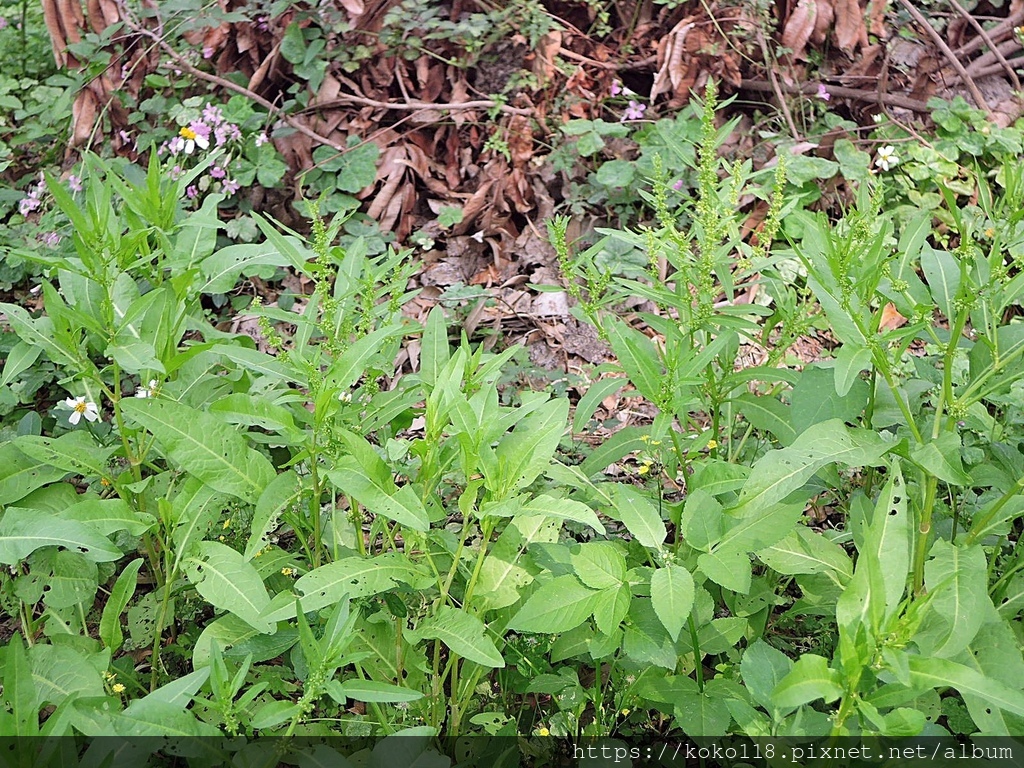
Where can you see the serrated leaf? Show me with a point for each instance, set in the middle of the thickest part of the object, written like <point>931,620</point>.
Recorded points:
<point>641,519</point>
<point>229,583</point>
<point>672,597</point>
<point>558,606</point>
<point>463,633</point>
<point>204,446</point>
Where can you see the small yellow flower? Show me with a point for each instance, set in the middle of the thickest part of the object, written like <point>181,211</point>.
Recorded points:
<point>644,469</point>
<point>712,444</point>
<point>543,732</point>
<point>117,688</point>
<point>104,482</point>
<point>227,523</point>
<point>288,571</point>
<point>625,713</point>
<point>990,233</point>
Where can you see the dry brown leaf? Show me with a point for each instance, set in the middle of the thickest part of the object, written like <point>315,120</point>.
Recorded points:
<point>355,8</point>
<point>891,318</point>
<point>671,69</point>
<point>824,16</point>
<point>851,30</point>
<point>543,65</point>
<point>799,27</point>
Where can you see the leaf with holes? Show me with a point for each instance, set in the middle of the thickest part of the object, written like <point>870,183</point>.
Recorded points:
<point>23,531</point>
<point>229,583</point>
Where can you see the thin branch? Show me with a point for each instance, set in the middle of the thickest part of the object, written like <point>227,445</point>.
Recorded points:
<point>344,98</point>
<point>988,41</point>
<point>953,60</point>
<point>890,99</point>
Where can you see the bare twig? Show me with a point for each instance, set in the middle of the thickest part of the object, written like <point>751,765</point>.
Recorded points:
<point>988,41</point>
<point>776,86</point>
<point>343,98</point>
<point>997,33</point>
<point>953,60</point>
<point>890,99</point>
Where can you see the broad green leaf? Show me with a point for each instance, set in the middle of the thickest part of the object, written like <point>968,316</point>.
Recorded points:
<point>728,568</point>
<point>558,606</point>
<point>545,506</point>
<point>38,333</point>
<point>370,691</point>
<point>815,399</point>
<point>804,551</point>
<point>505,572</point>
<point>124,588</point>
<point>850,361</point>
<point>76,452</point>
<point>672,596</point>
<point>524,454</point>
<point>702,520</point>
<point>596,392</point>
<point>702,713</point>
<point>347,369</point>
<point>401,505</point>
<point>158,718</point>
<point>19,689</point>
<point>599,565</point>
<point>749,534</point>
<point>623,442</point>
<point>229,583</point>
<point>769,415</point>
<point>21,474</point>
<point>73,580</point>
<point>995,652</point>
<point>61,671</point>
<point>21,357</point>
<point>23,531</point>
<point>221,270</point>
<point>809,679</point>
<point>641,519</point>
<point>957,581</point>
<point>943,673</point>
<point>274,713</point>
<point>283,492</point>
<point>638,357</point>
<point>135,357</point>
<point>889,535</point>
<point>943,276</point>
<point>352,577</point>
<point>463,633</point>
<point>942,458</point>
<point>611,608</point>
<point>257,362</point>
<point>181,690</point>
<point>779,473</point>
<point>204,446</point>
<point>762,669</point>
<point>109,516</point>
<point>252,411</point>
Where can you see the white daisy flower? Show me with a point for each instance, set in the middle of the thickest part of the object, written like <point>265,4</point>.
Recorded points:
<point>79,408</point>
<point>887,158</point>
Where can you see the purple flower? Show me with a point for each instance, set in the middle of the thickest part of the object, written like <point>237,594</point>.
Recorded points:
<point>200,129</point>
<point>175,173</point>
<point>212,114</point>
<point>677,185</point>
<point>30,202</point>
<point>230,186</point>
<point>823,93</point>
<point>3,22</point>
<point>125,136</point>
<point>217,172</point>
<point>50,239</point>
<point>616,88</point>
<point>635,111</point>
<point>74,183</point>
<point>191,191</point>
<point>262,139</point>
<point>208,52</point>
<point>227,132</point>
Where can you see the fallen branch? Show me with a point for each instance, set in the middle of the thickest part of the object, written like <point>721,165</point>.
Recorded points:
<point>808,89</point>
<point>344,99</point>
<point>988,41</point>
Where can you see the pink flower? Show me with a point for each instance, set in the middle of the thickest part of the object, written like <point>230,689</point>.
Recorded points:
<point>217,172</point>
<point>191,191</point>
<point>262,139</point>
<point>50,239</point>
<point>213,114</point>
<point>74,183</point>
<point>823,93</point>
<point>635,111</point>
<point>3,22</point>
<point>200,129</point>
<point>616,88</point>
<point>230,186</point>
<point>677,185</point>
<point>175,173</point>
<point>208,52</point>
<point>227,132</point>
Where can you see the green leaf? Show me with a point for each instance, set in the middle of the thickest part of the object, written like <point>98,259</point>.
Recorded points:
<point>204,446</point>
<point>135,357</point>
<point>220,271</point>
<point>672,596</point>
<point>599,565</point>
<point>638,357</point>
<point>352,577</point>
<point>616,173</point>
<point>108,516</point>
<point>943,673</point>
<point>370,691</point>
<point>434,349</point>
<point>943,275</point>
<point>635,511</point>
<point>942,458</point>
<point>399,504</point>
<point>957,582</point>
<point>702,713</point>
<point>22,357</point>
<point>769,415</point>
<point>19,689</point>
<point>283,492</point>
<point>779,473</point>
<point>596,392</point>
<point>728,568</point>
<point>75,452</point>
<point>558,606</point>
<point>762,669</point>
<point>21,474</point>
<point>505,570</point>
<point>815,399</point>
<point>888,537</point>
<point>110,622</point>
<point>850,361</point>
<point>809,679</point>
<point>804,551</point>
<point>229,583</point>
<point>23,531</point>
<point>463,633</point>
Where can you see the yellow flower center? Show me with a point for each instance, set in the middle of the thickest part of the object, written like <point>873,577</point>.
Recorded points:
<point>80,407</point>
<point>188,133</point>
